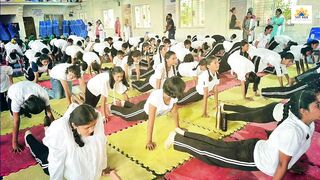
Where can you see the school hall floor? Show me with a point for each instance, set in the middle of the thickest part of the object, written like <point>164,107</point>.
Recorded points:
<point>126,140</point>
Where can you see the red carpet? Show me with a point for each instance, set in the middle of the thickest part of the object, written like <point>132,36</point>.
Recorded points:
<point>11,162</point>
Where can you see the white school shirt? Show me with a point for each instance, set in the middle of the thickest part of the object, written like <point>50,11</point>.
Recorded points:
<point>203,81</point>
<point>156,99</point>
<point>119,62</point>
<point>186,69</point>
<point>72,50</point>
<point>9,47</point>
<point>282,40</point>
<point>160,73</point>
<point>156,60</point>
<point>21,91</point>
<point>59,71</point>
<point>90,57</point>
<point>61,44</point>
<point>263,40</point>
<point>89,46</point>
<point>240,65</point>
<point>5,72</point>
<point>292,137</point>
<point>30,55</point>
<point>296,51</point>
<point>66,159</point>
<point>100,85</point>
<point>99,48</point>
<point>38,46</point>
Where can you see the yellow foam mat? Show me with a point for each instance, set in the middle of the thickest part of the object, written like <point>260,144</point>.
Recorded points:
<point>7,122</point>
<point>44,77</point>
<point>132,141</point>
<point>125,168</point>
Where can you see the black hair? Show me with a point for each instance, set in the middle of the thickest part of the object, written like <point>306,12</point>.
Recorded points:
<point>169,14</point>
<point>187,42</point>
<point>174,87</point>
<point>189,37</point>
<point>41,58</point>
<point>81,115</point>
<point>75,69</point>
<point>207,36</point>
<point>109,39</point>
<point>45,51</point>
<point>125,45</point>
<point>232,9</point>
<point>120,39</point>
<point>233,36</point>
<point>145,44</point>
<point>188,58</point>
<point>106,50</point>
<point>120,52</point>
<point>54,49</point>
<point>96,67</point>
<point>34,104</point>
<point>289,44</point>
<point>135,53</point>
<point>305,50</point>
<point>89,23</point>
<point>268,27</point>
<point>13,55</point>
<point>244,42</point>
<point>38,54</point>
<point>166,57</point>
<point>79,43</point>
<point>166,41</point>
<point>299,100</point>
<point>158,41</point>
<point>70,41</point>
<point>97,40</point>
<point>279,10</point>
<point>114,71</point>
<point>202,62</point>
<point>287,55</point>
<point>314,41</point>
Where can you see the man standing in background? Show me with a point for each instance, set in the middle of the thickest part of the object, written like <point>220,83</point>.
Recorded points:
<point>170,27</point>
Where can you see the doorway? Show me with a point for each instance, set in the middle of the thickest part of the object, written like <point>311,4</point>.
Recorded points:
<point>29,26</point>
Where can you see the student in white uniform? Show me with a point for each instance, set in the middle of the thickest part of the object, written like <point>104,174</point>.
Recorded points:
<point>72,51</point>
<point>160,102</point>
<point>263,39</point>
<point>189,67</point>
<point>61,77</point>
<point>27,98</point>
<point>132,66</point>
<point>207,82</point>
<point>159,57</point>
<point>74,146</point>
<point>300,53</point>
<point>102,50</point>
<point>162,72</point>
<point>104,84</point>
<point>93,62</point>
<point>6,80</point>
<point>280,42</point>
<point>39,46</point>
<point>118,59</point>
<point>274,156</point>
<point>37,67</point>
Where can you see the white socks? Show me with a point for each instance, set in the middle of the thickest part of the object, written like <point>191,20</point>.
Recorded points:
<point>169,141</point>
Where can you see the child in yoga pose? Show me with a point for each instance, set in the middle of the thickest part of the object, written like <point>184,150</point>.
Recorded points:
<point>160,102</point>
<point>274,156</point>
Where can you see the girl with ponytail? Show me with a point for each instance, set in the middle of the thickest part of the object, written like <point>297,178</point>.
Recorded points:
<point>106,84</point>
<point>131,64</point>
<point>74,146</point>
<point>207,82</point>
<point>274,156</point>
<point>162,72</point>
<point>160,102</point>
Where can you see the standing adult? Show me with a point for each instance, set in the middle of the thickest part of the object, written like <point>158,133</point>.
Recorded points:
<point>170,27</point>
<point>117,27</point>
<point>234,23</point>
<point>278,23</point>
<point>127,33</point>
<point>248,27</point>
<point>99,30</point>
<point>91,32</point>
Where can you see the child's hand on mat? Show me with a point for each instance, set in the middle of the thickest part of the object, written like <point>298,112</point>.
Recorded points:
<point>151,145</point>
<point>16,147</point>
<point>248,98</point>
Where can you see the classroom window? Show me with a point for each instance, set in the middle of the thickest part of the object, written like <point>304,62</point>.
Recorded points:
<point>108,18</point>
<point>192,13</point>
<point>142,16</point>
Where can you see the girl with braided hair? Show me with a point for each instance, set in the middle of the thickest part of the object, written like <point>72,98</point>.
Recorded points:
<point>160,102</point>
<point>274,156</point>
<point>74,146</point>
